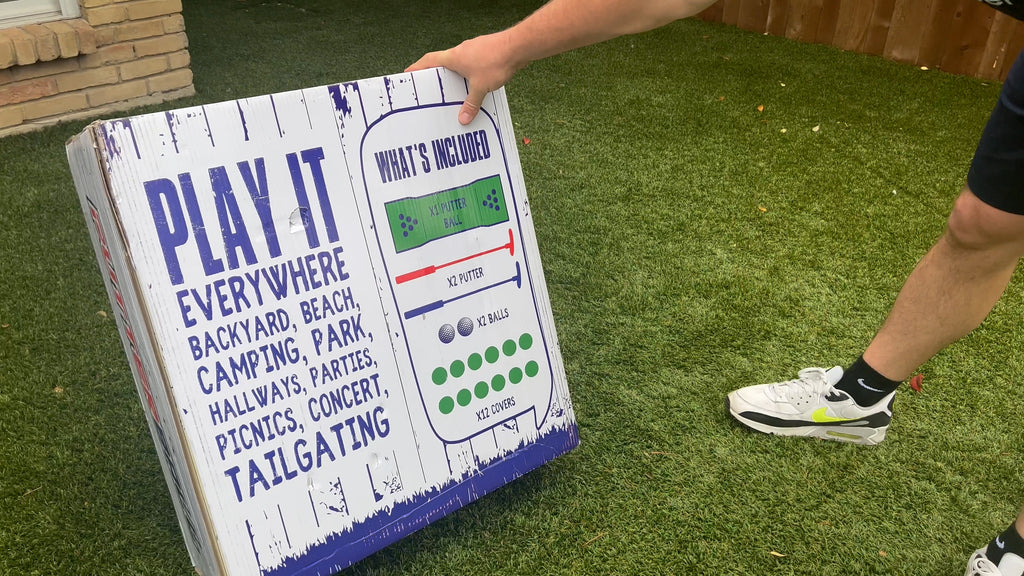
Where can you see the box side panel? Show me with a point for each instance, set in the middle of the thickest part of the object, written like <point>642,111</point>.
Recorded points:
<point>90,177</point>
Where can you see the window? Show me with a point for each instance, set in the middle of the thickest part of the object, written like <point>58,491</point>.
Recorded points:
<point>22,12</point>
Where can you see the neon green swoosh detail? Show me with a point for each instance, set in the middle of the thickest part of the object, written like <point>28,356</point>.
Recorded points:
<point>820,416</point>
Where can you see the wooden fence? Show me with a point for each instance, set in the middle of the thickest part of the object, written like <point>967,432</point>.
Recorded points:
<point>957,36</point>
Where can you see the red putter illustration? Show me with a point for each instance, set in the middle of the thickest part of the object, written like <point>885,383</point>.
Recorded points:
<point>432,268</point>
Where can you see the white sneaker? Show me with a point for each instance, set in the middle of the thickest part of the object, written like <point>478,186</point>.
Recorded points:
<point>980,565</point>
<point>811,406</point>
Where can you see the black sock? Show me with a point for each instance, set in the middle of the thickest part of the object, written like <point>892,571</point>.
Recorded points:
<point>864,384</point>
<point>1009,542</point>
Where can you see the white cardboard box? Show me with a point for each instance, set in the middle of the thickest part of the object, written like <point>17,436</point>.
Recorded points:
<point>334,309</point>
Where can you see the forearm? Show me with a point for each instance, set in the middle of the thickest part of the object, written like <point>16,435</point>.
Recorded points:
<point>489,61</point>
<point>563,25</point>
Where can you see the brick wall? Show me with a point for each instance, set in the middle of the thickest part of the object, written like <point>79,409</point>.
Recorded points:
<point>117,55</point>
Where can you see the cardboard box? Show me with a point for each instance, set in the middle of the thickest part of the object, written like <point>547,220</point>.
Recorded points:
<point>334,309</point>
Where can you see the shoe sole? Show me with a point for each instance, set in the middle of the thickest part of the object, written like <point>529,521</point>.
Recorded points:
<point>864,436</point>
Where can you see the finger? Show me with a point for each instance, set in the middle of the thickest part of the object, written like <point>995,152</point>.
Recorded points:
<point>471,106</point>
<point>429,60</point>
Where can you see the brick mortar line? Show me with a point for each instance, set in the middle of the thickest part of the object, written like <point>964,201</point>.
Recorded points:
<point>147,100</point>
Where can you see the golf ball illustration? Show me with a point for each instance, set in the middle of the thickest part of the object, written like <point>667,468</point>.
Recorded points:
<point>447,333</point>
<point>465,326</point>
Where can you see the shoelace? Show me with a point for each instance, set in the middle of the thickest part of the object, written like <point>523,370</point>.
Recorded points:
<point>810,381</point>
<point>981,566</point>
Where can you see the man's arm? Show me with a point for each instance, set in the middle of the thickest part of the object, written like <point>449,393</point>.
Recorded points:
<point>561,25</point>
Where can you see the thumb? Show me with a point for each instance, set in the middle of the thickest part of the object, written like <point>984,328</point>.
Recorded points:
<point>471,105</point>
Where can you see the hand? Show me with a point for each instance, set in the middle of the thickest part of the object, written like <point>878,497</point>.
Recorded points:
<point>487,63</point>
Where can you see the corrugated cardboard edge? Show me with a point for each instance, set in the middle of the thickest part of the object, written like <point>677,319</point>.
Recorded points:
<point>89,170</point>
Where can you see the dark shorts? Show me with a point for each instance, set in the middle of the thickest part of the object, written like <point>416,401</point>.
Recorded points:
<point>997,171</point>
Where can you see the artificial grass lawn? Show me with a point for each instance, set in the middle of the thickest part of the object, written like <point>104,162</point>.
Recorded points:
<point>691,246</point>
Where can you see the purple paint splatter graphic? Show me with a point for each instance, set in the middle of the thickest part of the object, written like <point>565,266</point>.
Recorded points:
<point>387,89</point>
<point>109,142</point>
<point>171,119</point>
<point>209,132</point>
<point>245,127</point>
<point>278,120</point>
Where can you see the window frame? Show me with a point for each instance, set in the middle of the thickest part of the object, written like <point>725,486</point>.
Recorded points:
<point>23,12</point>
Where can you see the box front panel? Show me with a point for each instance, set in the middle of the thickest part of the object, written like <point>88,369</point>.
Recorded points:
<point>347,306</point>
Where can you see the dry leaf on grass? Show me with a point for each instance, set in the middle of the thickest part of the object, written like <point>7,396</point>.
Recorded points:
<point>760,107</point>
<point>31,491</point>
<point>777,554</point>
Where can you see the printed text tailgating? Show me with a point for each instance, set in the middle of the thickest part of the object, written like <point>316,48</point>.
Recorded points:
<point>279,464</point>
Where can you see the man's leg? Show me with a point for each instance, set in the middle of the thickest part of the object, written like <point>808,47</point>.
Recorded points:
<point>952,288</point>
<point>947,295</point>
<point>960,279</point>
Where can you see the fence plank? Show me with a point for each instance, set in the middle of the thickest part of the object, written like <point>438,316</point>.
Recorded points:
<point>778,12</point>
<point>967,37</point>
<point>854,17</point>
<point>906,32</point>
<point>732,12</point>
<point>754,15</point>
<point>804,16</point>
<point>714,12</point>
<point>828,22</point>
<point>1014,48</point>
<point>878,27</point>
<point>936,35</point>
<point>991,61</point>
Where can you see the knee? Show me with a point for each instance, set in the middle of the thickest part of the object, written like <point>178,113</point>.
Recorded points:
<point>975,225</point>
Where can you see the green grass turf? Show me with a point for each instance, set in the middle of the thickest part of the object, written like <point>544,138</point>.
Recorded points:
<point>690,246</point>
